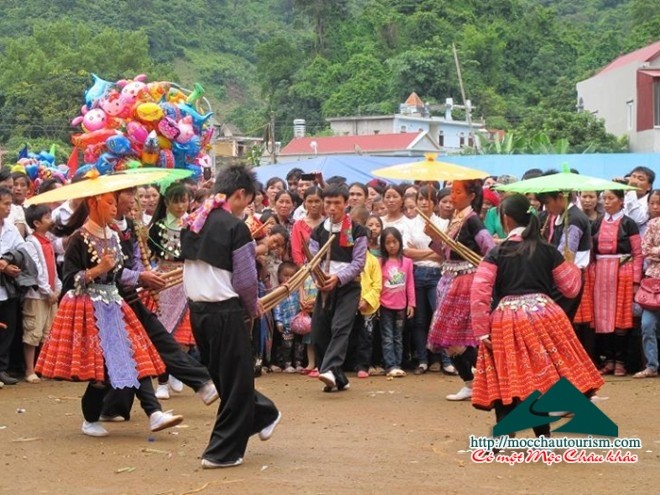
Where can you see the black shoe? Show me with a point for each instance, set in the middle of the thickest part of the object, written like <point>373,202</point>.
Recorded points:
<point>6,379</point>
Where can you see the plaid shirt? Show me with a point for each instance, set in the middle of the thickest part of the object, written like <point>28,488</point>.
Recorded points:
<point>286,310</point>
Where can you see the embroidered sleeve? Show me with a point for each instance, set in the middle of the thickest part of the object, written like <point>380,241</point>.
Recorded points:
<point>485,241</point>
<point>568,279</point>
<point>129,278</point>
<point>357,263</point>
<point>244,276</point>
<point>480,299</point>
<point>638,258</point>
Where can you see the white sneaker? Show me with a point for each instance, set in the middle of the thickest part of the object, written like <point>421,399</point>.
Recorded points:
<point>176,385</point>
<point>206,464</point>
<point>289,369</point>
<point>267,432</point>
<point>328,378</point>
<point>208,393</point>
<point>161,420</point>
<point>163,392</point>
<point>94,429</point>
<point>463,394</point>
<point>396,373</point>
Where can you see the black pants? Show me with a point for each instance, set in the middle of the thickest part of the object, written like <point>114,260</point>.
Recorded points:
<point>178,363</point>
<point>332,324</point>
<point>224,346</point>
<point>464,363</point>
<point>587,337</point>
<point>8,316</point>
<point>94,398</point>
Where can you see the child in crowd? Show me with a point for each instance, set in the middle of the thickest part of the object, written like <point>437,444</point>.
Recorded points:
<point>40,305</point>
<point>378,206</point>
<point>397,299</point>
<point>371,282</point>
<point>374,226</point>
<point>290,350</point>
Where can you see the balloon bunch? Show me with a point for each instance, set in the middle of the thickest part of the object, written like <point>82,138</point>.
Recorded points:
<point>133,123</point>
<point>39,166</point>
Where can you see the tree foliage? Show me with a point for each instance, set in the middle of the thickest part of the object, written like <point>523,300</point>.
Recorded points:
<point>315,59</point>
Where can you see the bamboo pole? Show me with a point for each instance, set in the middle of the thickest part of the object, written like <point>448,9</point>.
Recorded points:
<point>269,301</point>
<point>463,251</point>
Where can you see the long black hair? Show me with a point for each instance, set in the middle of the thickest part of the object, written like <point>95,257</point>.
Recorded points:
<point>393,231</point>
<point>519,209</point>
<point>475,186</point>
<point>175,192</point>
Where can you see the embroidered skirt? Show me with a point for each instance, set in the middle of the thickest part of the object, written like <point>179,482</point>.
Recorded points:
<point>613,295</point>
<point>534,345</point>
<point>89,337</point>
<point>451,324</point>
<point>585,312</point>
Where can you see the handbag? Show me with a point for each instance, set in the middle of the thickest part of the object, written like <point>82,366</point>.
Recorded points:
<point>648,294</point>
<point>301,324</point>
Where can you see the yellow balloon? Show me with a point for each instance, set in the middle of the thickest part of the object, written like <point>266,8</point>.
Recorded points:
<point>164,143</point>
<point>149,112</point>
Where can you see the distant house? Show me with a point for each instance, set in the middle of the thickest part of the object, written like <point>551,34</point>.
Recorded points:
<point>230,143</point>
<point>626,94</point>
<point>411,132</point>
<point>403,144</point>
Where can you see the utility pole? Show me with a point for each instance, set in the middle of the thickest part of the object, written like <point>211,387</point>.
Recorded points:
<point>273,154</point>
<point>468,108</point>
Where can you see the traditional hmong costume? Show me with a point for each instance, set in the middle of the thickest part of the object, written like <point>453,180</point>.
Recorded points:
<point>533,342</point>
<point>95,335</point>
<point>220,281</point>
<point>619,263</point>
<point>335,311</point>
<point>451,325</point>
<point>165,245</point>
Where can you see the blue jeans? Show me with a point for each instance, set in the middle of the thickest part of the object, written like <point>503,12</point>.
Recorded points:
<point>392,322</point>
<point>426,283</point>
<point>650,335</point>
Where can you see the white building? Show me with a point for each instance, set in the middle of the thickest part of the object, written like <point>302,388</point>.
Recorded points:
<point>626,94</point>
<point>413,117</point>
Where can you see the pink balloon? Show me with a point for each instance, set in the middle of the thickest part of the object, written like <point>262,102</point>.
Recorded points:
<point>136,132</point>
<point>94,120</point>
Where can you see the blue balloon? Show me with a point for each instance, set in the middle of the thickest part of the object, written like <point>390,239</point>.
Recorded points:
<point>84,169</point>
<point>99,90</point>
<point>198,119</point>
<point>44,156</point>
<point>119,145</point>
<point>196,169</point>
<point>106,163</point>
<point>32,170</point>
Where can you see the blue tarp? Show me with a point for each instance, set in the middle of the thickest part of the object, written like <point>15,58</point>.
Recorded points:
<point>358,168</point>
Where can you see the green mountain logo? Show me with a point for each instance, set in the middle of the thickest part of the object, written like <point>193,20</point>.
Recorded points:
<point>563,396</point>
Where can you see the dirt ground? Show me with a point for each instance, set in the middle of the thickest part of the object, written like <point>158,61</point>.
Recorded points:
<point>382,436</point>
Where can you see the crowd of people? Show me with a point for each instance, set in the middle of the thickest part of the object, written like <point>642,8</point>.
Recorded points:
<point>392,298</point>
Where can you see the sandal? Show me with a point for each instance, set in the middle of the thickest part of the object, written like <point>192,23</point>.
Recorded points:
<point>619,369</point>
<point>314,373</point>
<point>646,373</point>
<point>32,378</point>
<point>607,369</point>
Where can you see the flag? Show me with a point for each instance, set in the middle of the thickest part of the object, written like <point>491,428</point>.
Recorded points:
<point>72,163</point>
<point>24,152</point>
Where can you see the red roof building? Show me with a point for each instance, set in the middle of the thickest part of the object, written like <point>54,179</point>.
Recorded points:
<point>416,143</point>
<point>626,95</point>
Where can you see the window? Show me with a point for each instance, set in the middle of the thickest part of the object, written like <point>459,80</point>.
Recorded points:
<point>441,139</point>
<point>629,115</point>
<point>656,103</point>
<point>376,131</point>
<point>461,139</point>
<point>403,129</point>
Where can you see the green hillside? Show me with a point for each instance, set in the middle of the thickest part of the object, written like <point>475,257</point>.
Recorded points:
<point>310,58</point>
